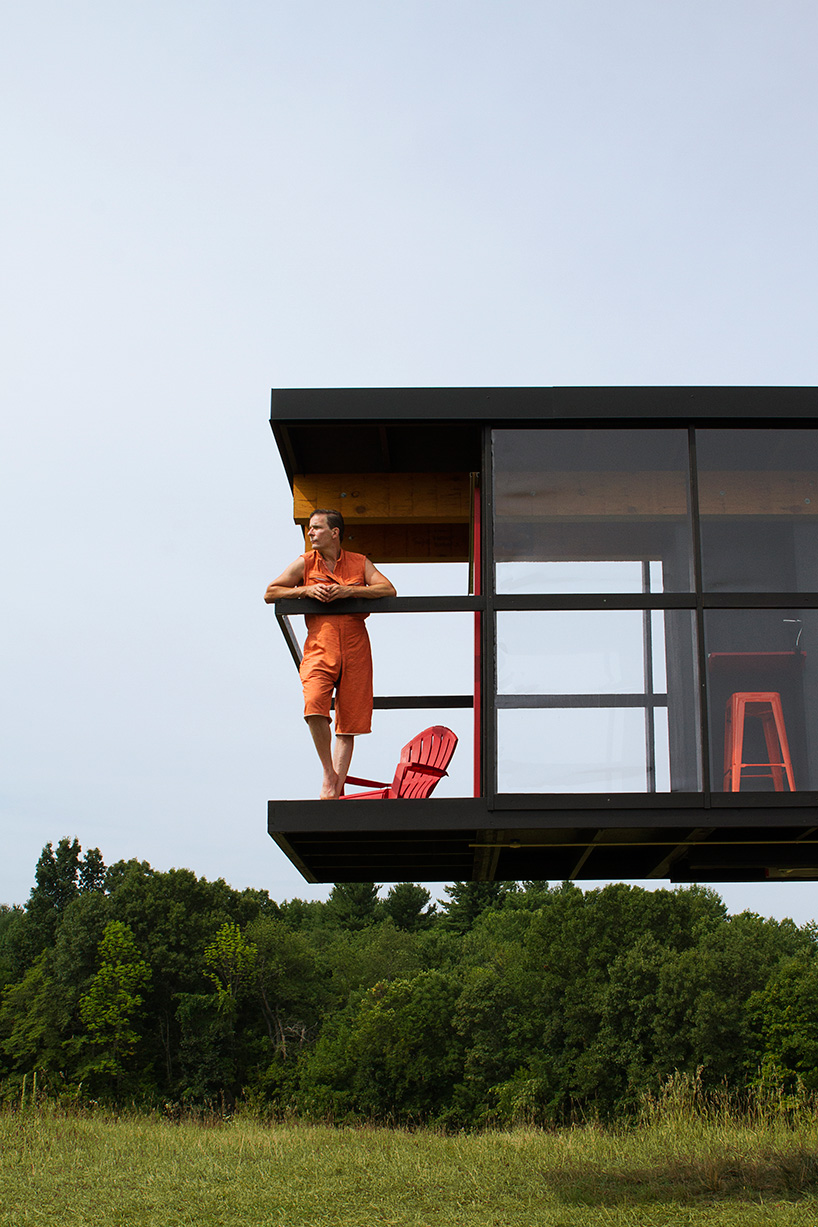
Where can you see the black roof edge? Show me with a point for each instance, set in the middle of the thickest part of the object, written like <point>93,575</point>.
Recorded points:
<point>525,404</point>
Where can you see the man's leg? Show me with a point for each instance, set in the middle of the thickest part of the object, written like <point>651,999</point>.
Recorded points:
<point>353,698</point>
<point>319,727</point>
<point>341,756</point>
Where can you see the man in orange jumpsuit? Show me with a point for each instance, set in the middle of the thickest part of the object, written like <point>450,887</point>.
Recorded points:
<point>336,654</point>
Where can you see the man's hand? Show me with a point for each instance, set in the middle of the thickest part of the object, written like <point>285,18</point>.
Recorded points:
<point>332,592</point>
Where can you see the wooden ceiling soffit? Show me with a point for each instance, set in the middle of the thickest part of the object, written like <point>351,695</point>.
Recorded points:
<point>393,517</point>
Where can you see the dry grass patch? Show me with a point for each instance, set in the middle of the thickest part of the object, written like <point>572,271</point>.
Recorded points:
<point>90,1169</point>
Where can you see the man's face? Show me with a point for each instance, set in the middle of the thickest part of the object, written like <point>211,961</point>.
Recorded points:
<point>320,534</point>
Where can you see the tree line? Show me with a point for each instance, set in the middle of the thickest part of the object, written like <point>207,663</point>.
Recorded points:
<point>506,1002</point>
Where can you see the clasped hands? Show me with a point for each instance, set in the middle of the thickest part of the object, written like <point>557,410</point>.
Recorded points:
<point>330,592</point>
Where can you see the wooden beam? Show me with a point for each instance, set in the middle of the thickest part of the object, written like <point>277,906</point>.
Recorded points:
<point>539,496</point>
<point>406,542</point>
<point>384,498</point>
<point>557,496</point>
<point>759,494</point>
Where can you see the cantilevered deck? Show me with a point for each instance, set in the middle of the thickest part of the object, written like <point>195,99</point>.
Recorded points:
<point>699,506</point>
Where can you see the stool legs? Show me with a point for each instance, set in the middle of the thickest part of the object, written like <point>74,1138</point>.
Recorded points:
<point>766,707</point>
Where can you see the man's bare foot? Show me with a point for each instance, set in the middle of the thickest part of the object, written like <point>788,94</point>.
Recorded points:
<point>329,789</point>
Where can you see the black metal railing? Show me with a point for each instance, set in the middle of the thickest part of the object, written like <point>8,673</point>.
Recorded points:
<point>289,608</point>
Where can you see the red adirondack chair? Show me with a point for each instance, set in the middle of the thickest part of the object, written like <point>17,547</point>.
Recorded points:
<point>422,762</point>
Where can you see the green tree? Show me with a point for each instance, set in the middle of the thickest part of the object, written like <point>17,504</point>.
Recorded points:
<point>355,960</point>
<point>39,1018</point>
<point>92,871</point>
<point>558,1005</point>
<point>10,919</point>
<point>206,1050</point>
<point>785,1015</point>
<point>173,916</point>
<point>55,885</point>
<point>353,905</point>
<point>111,1007</point>
<point>59,877</point>
<point>230,963</point>
<point>35,1020</point>
<point>406,906</point>
<point>303,913</point>
<point>468,900</point>
<point>217,1053</point>
<point>392,1055</point>
<point>291,983</point>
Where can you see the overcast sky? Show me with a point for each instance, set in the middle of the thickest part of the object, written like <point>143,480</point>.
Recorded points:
<point>205,200</point>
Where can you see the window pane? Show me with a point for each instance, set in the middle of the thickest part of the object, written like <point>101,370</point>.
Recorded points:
<point>773,654</point>
<point>590,510</point>
<point>572,684</point>
<point>443,659</point>
<point>758,502</point>
<point>588,750</point>
<point>576,651</point>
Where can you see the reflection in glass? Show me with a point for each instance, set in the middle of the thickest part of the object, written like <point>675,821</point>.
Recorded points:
<point>758,507</point>
<point>566,578</point>
<point>581,510</point>
<point>588,750</point>
<point>586,679</point>
<point>763,652</point>
<point>579,651</point>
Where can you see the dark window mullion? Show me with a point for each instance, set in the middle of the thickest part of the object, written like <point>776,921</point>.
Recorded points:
<point>704,719</point>
<point>489,621</point>
<point>647,652</point>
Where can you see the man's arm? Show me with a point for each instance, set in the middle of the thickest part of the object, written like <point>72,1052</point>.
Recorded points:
<point>377,585</point>
<point>290,583</point>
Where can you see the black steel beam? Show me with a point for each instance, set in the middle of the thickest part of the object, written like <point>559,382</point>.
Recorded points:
<point>650,701</point>
<point>386,604</point>
<point>545,405</point>
<point>654,812</point>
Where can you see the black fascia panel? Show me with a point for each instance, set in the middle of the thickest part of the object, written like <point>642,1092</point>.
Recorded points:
<point>431,814</point>
<point>320,430</point>
<point>524,405</point>
<point>639,811</point>
<point>359,430</point>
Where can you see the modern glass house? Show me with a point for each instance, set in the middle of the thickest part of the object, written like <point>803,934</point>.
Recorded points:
<point>644,601</point>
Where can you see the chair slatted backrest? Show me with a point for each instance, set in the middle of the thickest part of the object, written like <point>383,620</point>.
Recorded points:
<point>423,761</point>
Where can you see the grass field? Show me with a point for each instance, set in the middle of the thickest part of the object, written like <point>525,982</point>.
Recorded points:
<point>90,1169</point>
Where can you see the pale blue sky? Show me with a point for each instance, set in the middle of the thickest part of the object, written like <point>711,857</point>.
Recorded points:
<point>204,200</point>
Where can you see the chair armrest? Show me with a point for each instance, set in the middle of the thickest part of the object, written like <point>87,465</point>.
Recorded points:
<point>425,770</point>
<point>354,779</point>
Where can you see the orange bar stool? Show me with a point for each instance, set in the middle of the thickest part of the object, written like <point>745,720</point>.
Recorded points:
<point>764,705</point>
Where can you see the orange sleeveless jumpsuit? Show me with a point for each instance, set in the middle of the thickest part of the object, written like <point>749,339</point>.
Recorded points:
<point>337,654</point>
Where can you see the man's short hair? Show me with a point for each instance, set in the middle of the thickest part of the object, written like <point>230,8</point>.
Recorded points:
<point>334,519</point>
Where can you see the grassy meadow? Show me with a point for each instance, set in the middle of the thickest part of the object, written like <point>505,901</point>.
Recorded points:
<point>91,1169</point>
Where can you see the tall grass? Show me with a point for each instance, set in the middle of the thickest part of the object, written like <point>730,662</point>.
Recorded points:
<point>691,1159</point>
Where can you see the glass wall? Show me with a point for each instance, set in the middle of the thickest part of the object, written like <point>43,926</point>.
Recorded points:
<point>582,510</point>
<point>604,696</point>
<point>595,699</point>
<point>768,655</point>
<point>758,507</point>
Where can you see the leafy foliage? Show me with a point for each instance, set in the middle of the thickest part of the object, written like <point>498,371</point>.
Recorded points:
<point>110,1007</point>
<point>511,1002</point>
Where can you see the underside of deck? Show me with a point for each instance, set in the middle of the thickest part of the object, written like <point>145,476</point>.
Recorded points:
<point>460,840</point>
